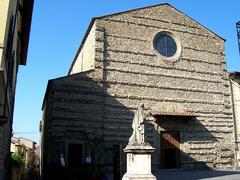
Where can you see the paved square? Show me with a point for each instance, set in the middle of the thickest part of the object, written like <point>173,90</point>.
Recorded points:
<point>191,175</point>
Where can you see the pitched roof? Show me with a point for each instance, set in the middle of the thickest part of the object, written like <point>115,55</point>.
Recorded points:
<point>123,12</point>
<point>51,81</point>
<point>234,74</point>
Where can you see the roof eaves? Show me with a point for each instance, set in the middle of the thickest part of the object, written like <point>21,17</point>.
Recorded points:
<point>100,17</point>
<point>234,74</point>
<point>26,28</point>
<point>82,43</point>
<point>131,10</point>
<point>161,4</point>
<point>198,23</point>
<point>51,81</point>
<point>46,93</point>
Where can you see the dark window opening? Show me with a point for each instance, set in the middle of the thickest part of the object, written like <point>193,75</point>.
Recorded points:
<point>75,155</point>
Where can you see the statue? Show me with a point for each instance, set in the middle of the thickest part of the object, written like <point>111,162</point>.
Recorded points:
<point>138,127</point>
<point>138,151</point>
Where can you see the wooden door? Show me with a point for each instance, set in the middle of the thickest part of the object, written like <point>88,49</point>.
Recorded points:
<point>170,150</point>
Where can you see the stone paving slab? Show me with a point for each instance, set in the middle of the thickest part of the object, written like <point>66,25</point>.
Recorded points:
<point>192,175</point>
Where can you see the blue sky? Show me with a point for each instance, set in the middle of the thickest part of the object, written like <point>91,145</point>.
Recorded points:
<point>57,30</point>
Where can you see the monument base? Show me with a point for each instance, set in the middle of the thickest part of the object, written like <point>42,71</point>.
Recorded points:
<point>138,177</point>
<point>139,162</point>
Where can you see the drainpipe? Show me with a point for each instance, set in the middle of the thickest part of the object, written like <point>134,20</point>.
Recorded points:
<point>234,123</point>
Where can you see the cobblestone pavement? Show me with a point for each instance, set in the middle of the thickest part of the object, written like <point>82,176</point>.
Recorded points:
<point>191,175</point>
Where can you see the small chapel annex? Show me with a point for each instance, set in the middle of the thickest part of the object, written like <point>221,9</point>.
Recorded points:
<point>154,55</point>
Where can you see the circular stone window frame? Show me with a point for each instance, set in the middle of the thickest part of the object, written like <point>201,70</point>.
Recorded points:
<point>177,54</point>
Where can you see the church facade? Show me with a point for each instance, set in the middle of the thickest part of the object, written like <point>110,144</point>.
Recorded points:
<point>154,55</point>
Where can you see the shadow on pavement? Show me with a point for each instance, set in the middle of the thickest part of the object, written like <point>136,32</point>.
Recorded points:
<point>191,175</point>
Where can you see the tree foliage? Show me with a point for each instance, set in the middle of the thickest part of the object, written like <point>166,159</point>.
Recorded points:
<point>17,160</point>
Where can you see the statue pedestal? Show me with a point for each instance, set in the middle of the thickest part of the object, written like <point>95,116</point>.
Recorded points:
<point>139,162</point>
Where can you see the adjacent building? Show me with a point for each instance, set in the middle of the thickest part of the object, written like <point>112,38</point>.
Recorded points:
<point>235,90</point>
<point>15,22</point>
<point>154,55</point>
<point>25,148</point>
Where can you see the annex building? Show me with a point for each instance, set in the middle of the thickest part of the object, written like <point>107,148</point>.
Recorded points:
<point>154,55</point>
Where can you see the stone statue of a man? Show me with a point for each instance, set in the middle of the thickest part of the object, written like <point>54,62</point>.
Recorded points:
<point>138,127</point>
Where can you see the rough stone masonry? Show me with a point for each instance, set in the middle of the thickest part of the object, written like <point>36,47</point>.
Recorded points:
<point>117,67</point>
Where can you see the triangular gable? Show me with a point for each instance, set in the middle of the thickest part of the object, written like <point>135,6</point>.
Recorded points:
<point>166,13</point>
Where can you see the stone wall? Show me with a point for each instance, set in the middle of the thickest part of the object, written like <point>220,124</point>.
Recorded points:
<point>135,73</point>
<point>73,111</point>
<point>234,80</point>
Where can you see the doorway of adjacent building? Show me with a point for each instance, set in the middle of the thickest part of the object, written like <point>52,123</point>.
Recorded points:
<point>170,149</point>
<point>116,162</point>
<point>75,155</point>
